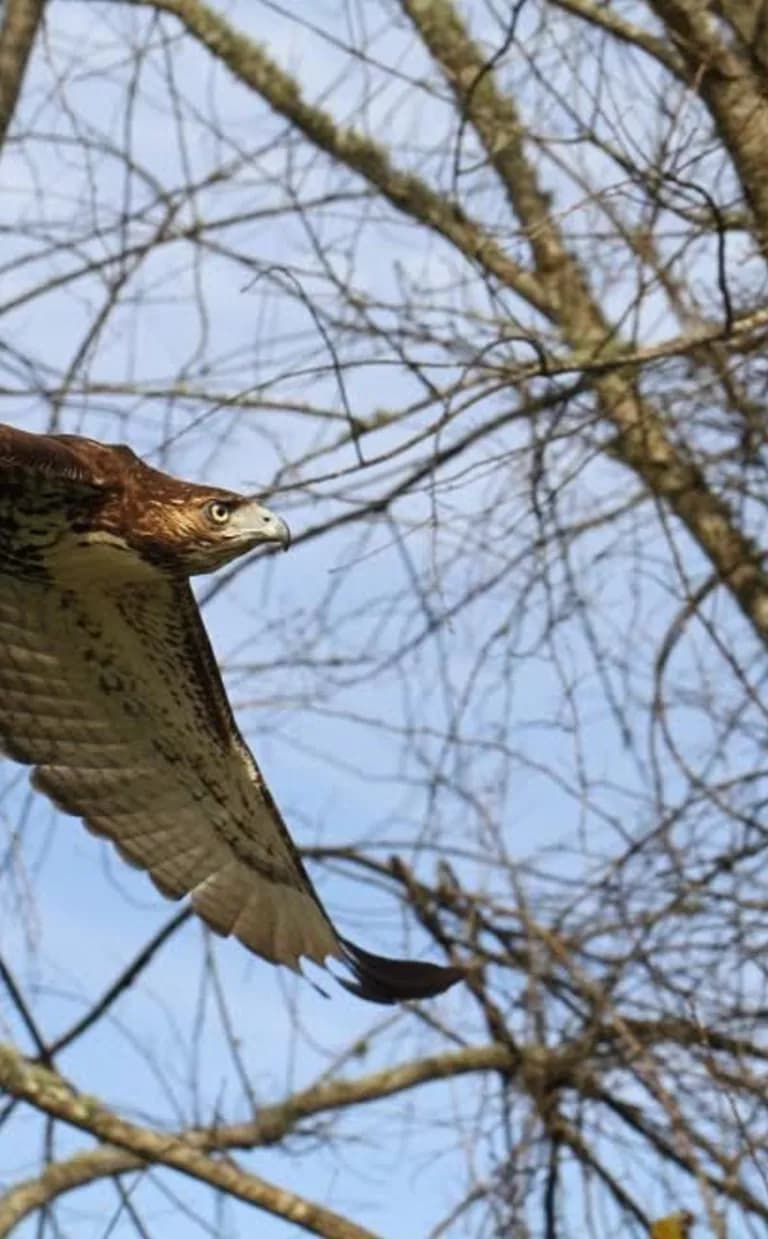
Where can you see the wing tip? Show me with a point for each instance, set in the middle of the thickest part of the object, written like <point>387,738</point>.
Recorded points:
<point>381,979</point>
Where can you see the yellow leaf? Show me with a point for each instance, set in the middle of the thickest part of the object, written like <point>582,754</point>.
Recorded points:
<point>673,1226</point>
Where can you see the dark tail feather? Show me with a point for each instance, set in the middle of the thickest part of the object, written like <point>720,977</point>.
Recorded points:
<point>379,979</point>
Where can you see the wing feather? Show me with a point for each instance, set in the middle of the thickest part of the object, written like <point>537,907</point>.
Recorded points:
<point>75,462</point>
<point>161,772</point>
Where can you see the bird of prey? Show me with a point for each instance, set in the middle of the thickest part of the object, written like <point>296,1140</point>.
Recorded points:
<point>110,689</point>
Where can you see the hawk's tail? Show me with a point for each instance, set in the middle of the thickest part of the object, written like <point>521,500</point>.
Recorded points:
<point>379,979</point>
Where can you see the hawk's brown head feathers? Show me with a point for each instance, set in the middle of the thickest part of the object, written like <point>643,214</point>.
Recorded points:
<point>124,504</point>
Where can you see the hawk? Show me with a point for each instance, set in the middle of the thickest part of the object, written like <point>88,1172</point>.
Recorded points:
<point>110,689</point>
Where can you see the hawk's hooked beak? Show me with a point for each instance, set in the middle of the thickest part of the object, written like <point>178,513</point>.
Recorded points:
<point>254,523</point>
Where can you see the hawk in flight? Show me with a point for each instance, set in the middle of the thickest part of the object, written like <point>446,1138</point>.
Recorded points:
<point>110,689</point>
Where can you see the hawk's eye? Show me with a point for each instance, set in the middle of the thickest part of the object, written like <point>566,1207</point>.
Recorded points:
<point>218,512</point>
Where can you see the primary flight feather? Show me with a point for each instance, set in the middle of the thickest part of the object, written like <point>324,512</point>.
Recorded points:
<point>110,689</point>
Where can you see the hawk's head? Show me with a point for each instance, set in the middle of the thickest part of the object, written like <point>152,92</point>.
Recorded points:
<point>74,505</point>
<point>179,525</point>
<point>198,529</point>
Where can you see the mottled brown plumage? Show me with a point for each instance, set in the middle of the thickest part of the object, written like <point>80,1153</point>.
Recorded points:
<point>110,689</point>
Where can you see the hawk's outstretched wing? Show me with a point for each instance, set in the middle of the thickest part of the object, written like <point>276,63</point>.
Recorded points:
<point>110,689</point>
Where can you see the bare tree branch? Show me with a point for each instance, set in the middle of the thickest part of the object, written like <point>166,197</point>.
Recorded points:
<point>47,1091</point>
<point>20,23</point>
